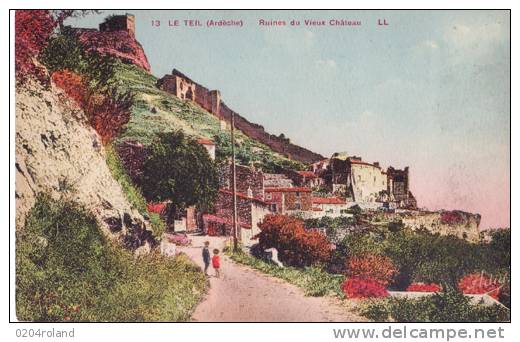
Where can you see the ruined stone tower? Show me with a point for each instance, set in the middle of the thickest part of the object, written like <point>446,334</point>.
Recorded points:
<point>125,22</point>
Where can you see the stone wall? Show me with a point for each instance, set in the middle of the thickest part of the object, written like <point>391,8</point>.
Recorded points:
<point>276,180</point>
<point>250,211</point>
<point>180,87</point>
<point>461,224</point>
<point>211,101</point>
<point>248,179</point>
<point>367,182</point>
<point>295,200</point>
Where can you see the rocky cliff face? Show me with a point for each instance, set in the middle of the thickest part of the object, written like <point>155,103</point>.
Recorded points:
<point>461,224</point>
<point>59,153</point>
<point>118,44</point>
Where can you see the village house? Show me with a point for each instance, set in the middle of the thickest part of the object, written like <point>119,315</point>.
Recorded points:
<point>249,180</point>
<point>306,179</point>
<point>289,200</point>
<point>330,206</point>
<point>250,212</point>
<point>277,180</point>
<point>209,145</point>
<point>368,184</point>
<point>318,168</point>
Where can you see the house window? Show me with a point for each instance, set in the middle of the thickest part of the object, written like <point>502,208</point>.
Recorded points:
<point>297,194</point>
<point>298,206</point>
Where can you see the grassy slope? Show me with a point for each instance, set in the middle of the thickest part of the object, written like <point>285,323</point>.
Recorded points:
<point>172,113</point>
<point>67,271</point>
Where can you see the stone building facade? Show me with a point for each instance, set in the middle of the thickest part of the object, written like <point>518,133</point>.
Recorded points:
<point>362,182</point>
<point>306,179</point>
<point>289,200</point>
<point>250,212</point>
<point>330,206</point>
<point>277,180</point>
<point>249,180</point>
<point>209,145</point>
<point>399,188</point>
<point>181,87</point>
<point>366,181</point>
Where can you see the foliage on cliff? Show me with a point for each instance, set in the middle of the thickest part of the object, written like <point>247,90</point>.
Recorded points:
<point>132,192</point>
<point>153,111</point>
<point>32,32</point>
<point>117,44</point>
<point>107,113</point>
<point>67,271</point>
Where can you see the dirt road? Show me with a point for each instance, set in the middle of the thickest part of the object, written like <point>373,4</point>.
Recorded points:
<point>246,295</point>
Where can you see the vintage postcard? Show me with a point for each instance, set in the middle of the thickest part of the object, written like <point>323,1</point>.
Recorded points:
<point>262,166</point>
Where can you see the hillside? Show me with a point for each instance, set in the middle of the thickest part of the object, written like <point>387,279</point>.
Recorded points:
<point>58,153</point>
<point>155,111</point>
<point>151,110</point>
<point>85,240</point>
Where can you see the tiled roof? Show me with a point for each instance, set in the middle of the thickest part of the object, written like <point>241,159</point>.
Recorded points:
<point>244,196</point>
<point>328,200</point>
<point>294,189</point>
<point>308,174</point>
<point>204,141</point>
<point>223,220</point>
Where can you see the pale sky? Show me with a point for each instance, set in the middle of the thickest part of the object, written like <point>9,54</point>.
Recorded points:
<point>430,91</point>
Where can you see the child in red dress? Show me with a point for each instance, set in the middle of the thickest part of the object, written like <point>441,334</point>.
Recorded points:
<point>215,261</point>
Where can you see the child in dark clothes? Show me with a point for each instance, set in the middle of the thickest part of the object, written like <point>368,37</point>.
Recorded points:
<point>206,257</point>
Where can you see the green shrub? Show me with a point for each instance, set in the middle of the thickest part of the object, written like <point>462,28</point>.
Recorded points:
<point>67,271</point>
<point>448,306</point>
<point>426,257</point>
<point>313,280</point>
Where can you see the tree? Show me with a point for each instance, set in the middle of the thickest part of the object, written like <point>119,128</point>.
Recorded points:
<point>181,172</point>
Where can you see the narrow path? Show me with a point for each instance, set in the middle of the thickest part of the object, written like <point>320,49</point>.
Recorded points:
<point>246,295</point>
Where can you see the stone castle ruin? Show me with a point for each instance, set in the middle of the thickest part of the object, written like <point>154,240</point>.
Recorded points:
<point>114,23</point>
<point>364,182</point>
<point>184,88</point>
